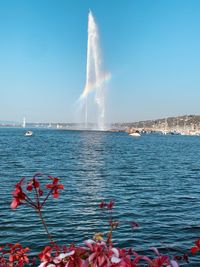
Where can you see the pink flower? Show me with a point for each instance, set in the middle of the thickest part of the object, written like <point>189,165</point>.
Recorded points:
<point>102,204</point>
<point>195,248</point>
<point>110,205</point>
<point>33,183</point>
<point>14,255</point>
<point>18,195</point>
<point>45,255</point>
<point>55,186</point>
<point>99,253</point>
<point>120,258</point>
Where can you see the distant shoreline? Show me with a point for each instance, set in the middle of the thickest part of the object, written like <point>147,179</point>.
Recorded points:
<point>186,123</point>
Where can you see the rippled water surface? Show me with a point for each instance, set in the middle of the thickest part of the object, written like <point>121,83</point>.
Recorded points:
<point>154,180</point>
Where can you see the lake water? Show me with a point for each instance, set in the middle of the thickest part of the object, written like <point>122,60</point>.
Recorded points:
<point>154,180</point>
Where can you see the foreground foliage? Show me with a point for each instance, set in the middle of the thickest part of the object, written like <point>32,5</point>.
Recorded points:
<point>97,252</point>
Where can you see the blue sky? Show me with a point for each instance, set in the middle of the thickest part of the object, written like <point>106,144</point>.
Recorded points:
<point>150,47</point>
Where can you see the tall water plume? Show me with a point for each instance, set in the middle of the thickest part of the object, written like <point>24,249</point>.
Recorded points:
<point>95,76</point>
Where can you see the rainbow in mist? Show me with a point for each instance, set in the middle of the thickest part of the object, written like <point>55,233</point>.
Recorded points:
<point>96,77</point>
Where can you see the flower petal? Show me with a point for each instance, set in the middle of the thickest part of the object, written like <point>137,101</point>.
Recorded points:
<point>115,259</point>
<point>64,255</point>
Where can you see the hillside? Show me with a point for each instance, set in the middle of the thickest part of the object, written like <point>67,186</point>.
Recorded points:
<point>186,122</point>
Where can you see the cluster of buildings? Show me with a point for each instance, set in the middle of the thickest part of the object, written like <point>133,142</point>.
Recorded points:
<point>183,125</point>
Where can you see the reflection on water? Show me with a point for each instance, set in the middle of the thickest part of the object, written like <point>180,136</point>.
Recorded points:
<point>92,163</point>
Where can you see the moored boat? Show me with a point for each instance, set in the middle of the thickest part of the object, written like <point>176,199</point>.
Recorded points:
<point>29,133</point>
<point>136,134</point>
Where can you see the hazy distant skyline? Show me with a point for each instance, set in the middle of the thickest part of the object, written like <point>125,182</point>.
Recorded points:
<point>150,47</point>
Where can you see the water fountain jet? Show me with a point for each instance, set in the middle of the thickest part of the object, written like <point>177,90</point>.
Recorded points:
<point>95,76</point>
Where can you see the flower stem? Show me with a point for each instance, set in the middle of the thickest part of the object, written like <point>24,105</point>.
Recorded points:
<point>46,198</point>
<point>45,226</point>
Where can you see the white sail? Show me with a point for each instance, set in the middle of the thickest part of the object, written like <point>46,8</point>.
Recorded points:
<point>24,123</point>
